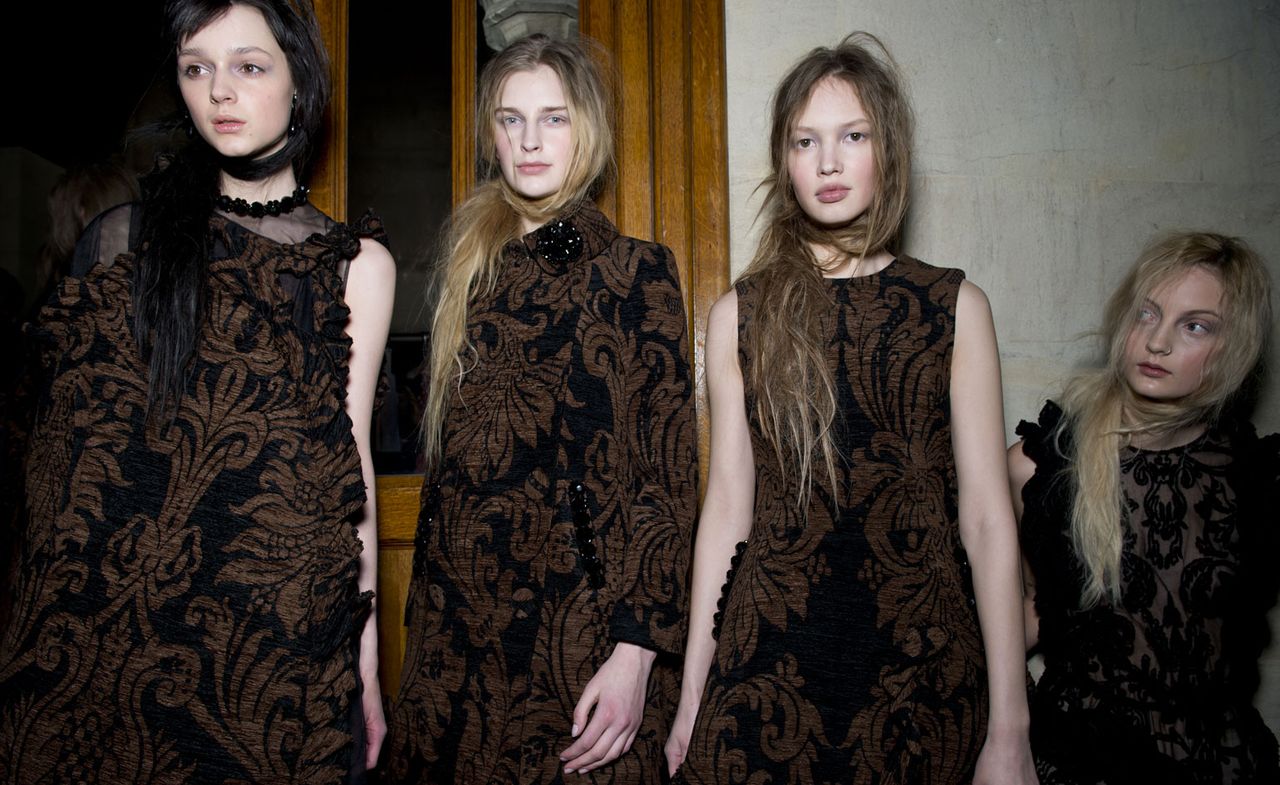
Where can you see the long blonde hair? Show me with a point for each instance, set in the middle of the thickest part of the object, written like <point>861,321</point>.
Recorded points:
<point>1102,411</point>
<point>471,254</point>
<point>795,399</point>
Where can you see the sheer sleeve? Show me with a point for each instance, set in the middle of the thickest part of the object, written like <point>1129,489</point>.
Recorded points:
<point>110,234</point>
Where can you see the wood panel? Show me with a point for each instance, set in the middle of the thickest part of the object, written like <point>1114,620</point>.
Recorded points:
<point>328,180</point>
<point>709,191</point>
<point>464,98</point>
<point>397,520</point>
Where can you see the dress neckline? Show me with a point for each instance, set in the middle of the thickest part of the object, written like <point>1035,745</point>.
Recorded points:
<point>872,276</point>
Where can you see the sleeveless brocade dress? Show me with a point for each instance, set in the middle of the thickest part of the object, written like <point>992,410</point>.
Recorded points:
<point>185,607</point>
<point>1157,687</point>
<point>849,649</point>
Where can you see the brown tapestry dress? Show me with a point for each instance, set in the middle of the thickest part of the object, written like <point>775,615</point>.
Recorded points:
<point>559,521</point>
<point>849,649</point>
<point>186,608</point>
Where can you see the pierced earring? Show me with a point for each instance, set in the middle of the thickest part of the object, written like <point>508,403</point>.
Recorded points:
<point>293,124</point>
<point>189,125</point>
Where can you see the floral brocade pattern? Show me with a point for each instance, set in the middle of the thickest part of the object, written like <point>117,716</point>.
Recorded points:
<point>185,605</point>
<point>1158,686</point>
<point>849,650</point>
<point>562,520</point>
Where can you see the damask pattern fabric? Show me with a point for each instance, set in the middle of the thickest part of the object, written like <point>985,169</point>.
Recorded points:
<point>849,649</point>
<point>1157,687</point>
<point>559,521</point>
<point>186,607</point>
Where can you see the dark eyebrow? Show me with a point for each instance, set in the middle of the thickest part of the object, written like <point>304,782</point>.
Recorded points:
<point>239,50</point>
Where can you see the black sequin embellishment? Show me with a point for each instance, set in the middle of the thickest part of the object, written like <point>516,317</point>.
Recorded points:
<point>560,242</point>
<point>585,536</point>
<point>422,535</point>
<point>734,563</point>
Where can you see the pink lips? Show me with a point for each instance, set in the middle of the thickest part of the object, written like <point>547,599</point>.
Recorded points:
<point>227,125</point>
<point>532,168</point>
<point>833,194</point>
<point>1152,370</point>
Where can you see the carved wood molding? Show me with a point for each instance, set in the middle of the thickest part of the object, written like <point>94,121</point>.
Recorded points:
<point>328,179</point>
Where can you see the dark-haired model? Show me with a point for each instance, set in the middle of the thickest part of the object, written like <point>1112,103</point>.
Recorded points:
<point>192,602</point>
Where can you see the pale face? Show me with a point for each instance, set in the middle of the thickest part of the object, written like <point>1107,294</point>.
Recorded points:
<point>236,84</point>
<point>830,158</point>
<point>1173,336</point>
<point>532,131</point>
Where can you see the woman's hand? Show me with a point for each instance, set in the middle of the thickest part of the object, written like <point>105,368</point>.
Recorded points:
<point>678,742</point>
<point>1006,760</point>
<point>617,693</point>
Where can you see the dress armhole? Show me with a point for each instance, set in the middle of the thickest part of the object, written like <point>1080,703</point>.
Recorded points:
<point>110,234</point>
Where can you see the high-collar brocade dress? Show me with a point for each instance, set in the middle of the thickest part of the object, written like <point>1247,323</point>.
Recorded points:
<point>558,523</point>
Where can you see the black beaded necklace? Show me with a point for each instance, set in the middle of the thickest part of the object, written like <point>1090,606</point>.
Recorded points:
<point>258,209</point>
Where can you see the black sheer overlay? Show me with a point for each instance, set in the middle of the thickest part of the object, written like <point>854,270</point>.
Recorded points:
<point>1157,687</point>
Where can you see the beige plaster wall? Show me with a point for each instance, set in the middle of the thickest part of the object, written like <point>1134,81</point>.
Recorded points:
<point>1054,137</point>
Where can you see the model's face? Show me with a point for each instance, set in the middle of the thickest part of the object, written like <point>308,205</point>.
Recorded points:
<point>236,84</point>
<point>830,158</point>
<point>1173,336</point>
<point>533,133</point>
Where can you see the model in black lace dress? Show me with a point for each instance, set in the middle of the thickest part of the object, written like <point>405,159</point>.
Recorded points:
<point>1152,680</point>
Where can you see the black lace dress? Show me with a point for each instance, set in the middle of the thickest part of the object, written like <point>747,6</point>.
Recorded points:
<point>1158,687</point>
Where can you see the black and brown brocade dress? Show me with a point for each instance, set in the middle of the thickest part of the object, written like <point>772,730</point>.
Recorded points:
<point>186,606</point>
<point>849,649</point>
<point>1157,687</point>
<point>559,521</point>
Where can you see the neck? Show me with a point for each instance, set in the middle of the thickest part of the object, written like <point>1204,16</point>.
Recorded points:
<point>527,225</point>
<point>276,186</point>
<point>1167,440</point>
<point>836,264</point>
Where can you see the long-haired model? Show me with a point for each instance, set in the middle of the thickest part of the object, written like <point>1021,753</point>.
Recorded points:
<point>1148,523</point>
<point>856,443</point>
<point>552,546</point>
<point>192,599</point>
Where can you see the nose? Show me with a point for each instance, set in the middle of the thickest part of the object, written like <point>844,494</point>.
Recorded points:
<point>829,160</point>
<point>1160,338</point>
<point>531,138</point>
<point>220,88</point>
